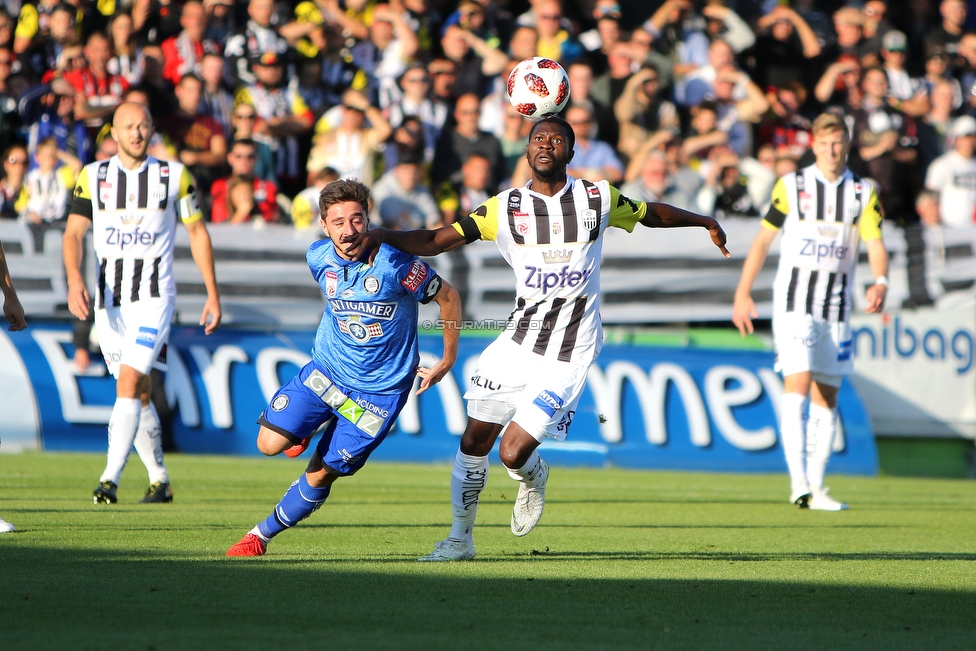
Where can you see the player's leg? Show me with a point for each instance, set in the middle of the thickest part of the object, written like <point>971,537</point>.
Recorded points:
<point>792,427</point>
<point>468,479</point>
<point>149,446</point>
<point>292,417</point>
<point>122,426</point>
<point>794,338</point>
<point>544,410</point>
<point>131,338</point>
<point>821,430</point>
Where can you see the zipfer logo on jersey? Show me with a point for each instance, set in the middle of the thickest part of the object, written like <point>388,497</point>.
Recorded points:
<point>122,239</point>
<point>536,278</point>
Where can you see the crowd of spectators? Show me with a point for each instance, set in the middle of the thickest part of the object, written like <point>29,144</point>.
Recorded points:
<point>701,103</point>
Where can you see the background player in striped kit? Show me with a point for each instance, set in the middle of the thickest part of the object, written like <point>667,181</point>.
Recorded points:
<point>14,313</point>
<point>133,202</point>
<point>823,211</point>
<point>531,377</point>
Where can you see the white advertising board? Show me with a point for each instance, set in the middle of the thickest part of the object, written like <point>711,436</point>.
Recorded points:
<point>915,372</point>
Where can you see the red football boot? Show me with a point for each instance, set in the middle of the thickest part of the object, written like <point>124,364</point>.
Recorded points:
<point>249,545</point>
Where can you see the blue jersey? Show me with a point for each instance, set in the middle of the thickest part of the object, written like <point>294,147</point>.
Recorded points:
<point>368,334</point>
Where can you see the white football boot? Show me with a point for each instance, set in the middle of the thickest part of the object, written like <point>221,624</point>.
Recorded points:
<point>529,504</point>
<point>449,550</point>
<point>5,527</point>
<point>820,501</point>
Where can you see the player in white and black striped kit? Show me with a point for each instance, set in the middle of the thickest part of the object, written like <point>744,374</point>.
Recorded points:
<point>823,210</point>
<point>531,377</point>
<point>133,203</point>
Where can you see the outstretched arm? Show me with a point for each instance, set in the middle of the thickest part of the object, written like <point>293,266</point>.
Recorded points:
<point>423,242</point>
<point>744,309</point>
<point>450,303</point>
<point>12,309</point>
<point>202,252</point>
<point>663,215</point>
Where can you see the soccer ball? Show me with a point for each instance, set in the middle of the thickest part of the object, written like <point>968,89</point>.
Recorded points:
<point>538,87</point>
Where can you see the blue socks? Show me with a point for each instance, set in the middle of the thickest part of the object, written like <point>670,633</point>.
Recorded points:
<point>299,502</point>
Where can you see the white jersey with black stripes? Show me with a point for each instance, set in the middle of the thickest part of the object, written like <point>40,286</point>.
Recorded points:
<point>555,245</point>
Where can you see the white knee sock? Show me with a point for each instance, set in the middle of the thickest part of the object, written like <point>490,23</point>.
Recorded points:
<point>792,433</point>
<point>531,474</point>
<point>121,432</point>
<point>149,445</point>
<point>821,429</point>
<point>467,481</point>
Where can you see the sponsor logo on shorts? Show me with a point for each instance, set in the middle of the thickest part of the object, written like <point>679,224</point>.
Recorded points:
<point>416,277</point>
<point>352,410</point>
<point>485,383</point>
<point>279,403</point>
<point>563,425</point>
<point>548,402</point>
<point>147,337</point>
<point>846,349</point>
<point>347,456</point>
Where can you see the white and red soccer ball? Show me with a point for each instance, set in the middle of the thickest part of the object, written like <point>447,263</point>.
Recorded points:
<point>538,87</point>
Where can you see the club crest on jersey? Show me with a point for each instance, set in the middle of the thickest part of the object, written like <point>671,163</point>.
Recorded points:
<point>855,209</point>
<point>416,277</point>
<point>589,219</point>
<point>331,283</point>
<point>159,193</point>
<point>279,403</point>
<point>371,284</point>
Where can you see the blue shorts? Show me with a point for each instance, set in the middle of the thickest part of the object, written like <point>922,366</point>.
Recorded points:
<point>358,421</point>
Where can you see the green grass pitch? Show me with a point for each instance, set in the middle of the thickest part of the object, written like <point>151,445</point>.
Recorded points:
<point>621,560</point>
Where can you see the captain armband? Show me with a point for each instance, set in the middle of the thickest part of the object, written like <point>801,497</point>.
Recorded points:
<point>188,209</point>
<point>470,230</point>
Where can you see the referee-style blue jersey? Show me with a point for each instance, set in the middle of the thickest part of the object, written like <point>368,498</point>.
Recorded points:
<point>367,338</point>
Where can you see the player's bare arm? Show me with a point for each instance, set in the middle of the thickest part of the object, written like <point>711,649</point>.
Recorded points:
<point>743,308</point>
<point>449,302</point>
<point>202,251</point>
<point>72,246</point>
<point>12,309</point>
<point>662,215</point>
<point>420,242</point>
<point>878,260</point>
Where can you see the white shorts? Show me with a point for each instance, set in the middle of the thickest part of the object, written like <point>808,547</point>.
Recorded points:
<point>807,345</point>
<point>514,384</point>
<point>135,334</point>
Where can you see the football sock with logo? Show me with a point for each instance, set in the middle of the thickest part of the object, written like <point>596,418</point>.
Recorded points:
<point>300,501</point>
<point>791,431</point>
<point>121,432</point>
<point>149,445</point>
<point>531,473</point>
<point>467,481</point>
<point>821,429</point>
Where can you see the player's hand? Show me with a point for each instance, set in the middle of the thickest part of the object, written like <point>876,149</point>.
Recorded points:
<point>78,302</point>
<point>14,311</point>
<point>743,312</point>
<point>875,298</point>
<point>719,238</point>
<point>210,309</point>
<point>357,244</point>
<point>431,376</point>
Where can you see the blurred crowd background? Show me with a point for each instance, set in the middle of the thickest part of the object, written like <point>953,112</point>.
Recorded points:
<point>702,104</point>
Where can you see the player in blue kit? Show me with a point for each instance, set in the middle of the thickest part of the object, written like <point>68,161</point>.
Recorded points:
<point>363,362</point>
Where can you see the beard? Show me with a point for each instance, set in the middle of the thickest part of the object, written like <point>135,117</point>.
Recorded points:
<point>554,174</point>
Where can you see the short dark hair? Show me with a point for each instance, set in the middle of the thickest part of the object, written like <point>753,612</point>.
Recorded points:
<point>344,190</point>
<point>247,142</point>
<point>561,123</point>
